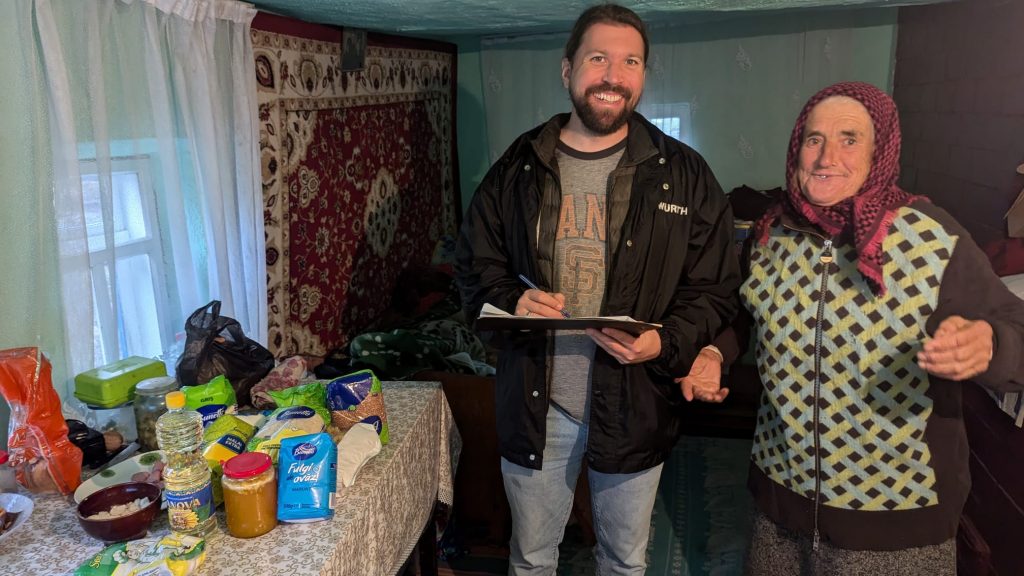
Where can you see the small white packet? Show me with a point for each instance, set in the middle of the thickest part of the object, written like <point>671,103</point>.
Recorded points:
<point>355,449</point>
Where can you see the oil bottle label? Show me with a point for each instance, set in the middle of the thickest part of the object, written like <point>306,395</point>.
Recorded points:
<point>187,509</point>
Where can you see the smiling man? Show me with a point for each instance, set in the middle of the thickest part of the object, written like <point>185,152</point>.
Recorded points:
<point>608,216</point>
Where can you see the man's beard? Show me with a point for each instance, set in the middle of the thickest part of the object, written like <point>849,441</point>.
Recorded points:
<point>602,122</point>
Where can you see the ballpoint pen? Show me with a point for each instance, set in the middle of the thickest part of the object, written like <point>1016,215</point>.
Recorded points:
<point>534,286</point>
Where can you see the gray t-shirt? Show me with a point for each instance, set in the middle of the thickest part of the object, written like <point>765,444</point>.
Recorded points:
<point>580,247</point>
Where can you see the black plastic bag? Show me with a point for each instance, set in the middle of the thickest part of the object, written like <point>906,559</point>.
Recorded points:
<point>215,345</point>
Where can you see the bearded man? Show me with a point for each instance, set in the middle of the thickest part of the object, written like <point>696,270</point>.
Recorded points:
<point>607,216</point>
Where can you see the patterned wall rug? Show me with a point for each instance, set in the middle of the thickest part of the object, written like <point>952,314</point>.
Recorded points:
<point>358,175</point>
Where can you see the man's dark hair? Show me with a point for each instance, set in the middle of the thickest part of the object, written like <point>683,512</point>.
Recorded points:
<point>604,14</point>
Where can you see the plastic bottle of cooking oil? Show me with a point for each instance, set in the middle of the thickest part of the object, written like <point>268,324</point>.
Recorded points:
<point>179,433</point>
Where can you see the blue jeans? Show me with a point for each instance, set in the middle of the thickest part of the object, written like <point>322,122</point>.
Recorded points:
<point>542,499</point>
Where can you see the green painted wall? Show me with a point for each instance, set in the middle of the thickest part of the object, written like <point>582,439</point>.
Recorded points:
<point>471,128</point>
<point>759,106</point>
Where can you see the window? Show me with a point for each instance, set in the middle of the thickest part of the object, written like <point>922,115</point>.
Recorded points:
<point>126,260</point>
<point>672,119</point>
<point>668,125</point>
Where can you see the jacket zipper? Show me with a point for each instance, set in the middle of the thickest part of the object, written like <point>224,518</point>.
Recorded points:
<point>826,259</point>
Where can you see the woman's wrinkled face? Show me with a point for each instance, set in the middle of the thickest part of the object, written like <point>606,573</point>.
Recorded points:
<point>836,152</point>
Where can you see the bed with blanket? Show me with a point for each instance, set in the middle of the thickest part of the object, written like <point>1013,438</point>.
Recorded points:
<point>423,329</point>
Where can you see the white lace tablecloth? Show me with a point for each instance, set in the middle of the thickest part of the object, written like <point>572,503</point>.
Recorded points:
<point>376,523</point>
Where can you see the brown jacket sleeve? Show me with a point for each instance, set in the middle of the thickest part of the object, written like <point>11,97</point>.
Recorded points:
<point>971,289</point>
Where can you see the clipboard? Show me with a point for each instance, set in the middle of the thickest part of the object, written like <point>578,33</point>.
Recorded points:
<point>496,319</point>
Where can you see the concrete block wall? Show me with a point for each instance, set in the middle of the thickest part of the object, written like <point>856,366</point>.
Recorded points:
<point>959,84</point>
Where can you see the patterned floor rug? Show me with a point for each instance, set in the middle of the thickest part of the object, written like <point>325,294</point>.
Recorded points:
<point>700,525</point>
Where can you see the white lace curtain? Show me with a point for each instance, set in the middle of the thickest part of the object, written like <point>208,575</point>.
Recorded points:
<point>147,203</point>
<point>737,83</point>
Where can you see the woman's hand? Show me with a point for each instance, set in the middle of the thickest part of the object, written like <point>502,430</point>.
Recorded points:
<point>704,382</point>
<point>960,349</point>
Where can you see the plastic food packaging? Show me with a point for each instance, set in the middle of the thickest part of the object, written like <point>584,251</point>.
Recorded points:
<point>226,438</point>
<point>285,375</point>
<point>358,398</point>
<point>359,445</point>
<point>313,395</point>
<point>212,400</point>
<point>285,423</point>
<point>41,453</point>
<point>308,480</point>
<point>172,555</point>
<point>215,345</point>
<point>120,419</point>
<point>222,441</point>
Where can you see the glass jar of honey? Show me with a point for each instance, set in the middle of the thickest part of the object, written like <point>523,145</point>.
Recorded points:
<point>250,495</point>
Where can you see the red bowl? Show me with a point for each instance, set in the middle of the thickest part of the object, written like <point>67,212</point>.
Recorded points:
<point>130,527</point>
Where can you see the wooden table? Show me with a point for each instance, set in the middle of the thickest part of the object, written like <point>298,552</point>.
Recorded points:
<point>376,524</point>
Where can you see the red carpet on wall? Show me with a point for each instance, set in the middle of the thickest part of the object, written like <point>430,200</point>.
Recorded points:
<point>358,175</point>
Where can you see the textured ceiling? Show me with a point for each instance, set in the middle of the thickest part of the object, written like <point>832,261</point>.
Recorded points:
<point>457,17</point>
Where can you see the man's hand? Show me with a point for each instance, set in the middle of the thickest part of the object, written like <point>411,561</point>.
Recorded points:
<point>704,382</point>
<point>540,303</point>
<point>959,350</point>
<point>625,347</point>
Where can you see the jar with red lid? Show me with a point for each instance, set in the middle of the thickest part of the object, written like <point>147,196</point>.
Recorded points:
<point>8,480</point>
<point>250,495</point>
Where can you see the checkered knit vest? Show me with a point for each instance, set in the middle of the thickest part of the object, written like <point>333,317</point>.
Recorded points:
<point>854,419</point>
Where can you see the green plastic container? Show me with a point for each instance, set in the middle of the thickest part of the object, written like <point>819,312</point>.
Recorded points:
<point>114,384</point>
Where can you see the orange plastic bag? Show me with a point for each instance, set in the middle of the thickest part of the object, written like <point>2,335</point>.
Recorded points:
<point>42,455</point>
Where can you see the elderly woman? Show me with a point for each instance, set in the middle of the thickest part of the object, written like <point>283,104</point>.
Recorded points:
<point>870,306</point>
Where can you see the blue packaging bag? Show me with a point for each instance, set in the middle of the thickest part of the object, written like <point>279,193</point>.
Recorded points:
<point>307,477</point>
<point>358,398</point>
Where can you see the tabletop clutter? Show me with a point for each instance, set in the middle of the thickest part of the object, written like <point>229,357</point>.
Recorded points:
<point>149,441</point>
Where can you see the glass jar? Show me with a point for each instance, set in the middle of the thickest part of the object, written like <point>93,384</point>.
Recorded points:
<point>250,495</point>
<point>149,405</point>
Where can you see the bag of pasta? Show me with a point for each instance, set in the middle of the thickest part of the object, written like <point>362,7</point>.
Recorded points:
<point>356,398</point>
<point>212,400</point>
<point>285,423</point>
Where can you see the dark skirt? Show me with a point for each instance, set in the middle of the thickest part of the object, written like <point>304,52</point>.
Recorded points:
<point>776,551</point>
